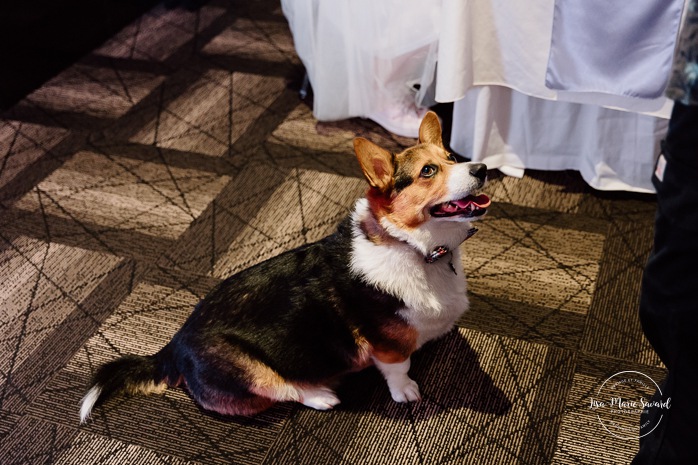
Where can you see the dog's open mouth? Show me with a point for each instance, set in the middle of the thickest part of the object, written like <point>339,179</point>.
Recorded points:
<point>470,206</point>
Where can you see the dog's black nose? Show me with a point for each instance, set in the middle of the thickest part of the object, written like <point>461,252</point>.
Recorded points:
<point>479,170</point>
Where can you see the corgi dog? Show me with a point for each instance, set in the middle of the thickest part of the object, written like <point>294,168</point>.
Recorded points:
<point>387,281</point>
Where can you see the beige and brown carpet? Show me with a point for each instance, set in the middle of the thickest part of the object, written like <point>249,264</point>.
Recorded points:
<point>178,153</point>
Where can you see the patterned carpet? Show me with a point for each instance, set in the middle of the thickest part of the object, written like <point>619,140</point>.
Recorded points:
<point>178,153</point>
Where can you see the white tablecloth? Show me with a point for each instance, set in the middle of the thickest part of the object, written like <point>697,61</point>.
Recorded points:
<point>544,84</point>
<point>612,149</point>
<point>493,59</point>
<point>362,55</point>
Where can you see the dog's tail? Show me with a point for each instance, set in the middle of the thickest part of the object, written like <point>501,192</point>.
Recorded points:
<point>133,374</point>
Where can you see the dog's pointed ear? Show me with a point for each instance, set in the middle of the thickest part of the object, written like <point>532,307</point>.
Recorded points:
<point>430,130</point>
<point>376,163</point>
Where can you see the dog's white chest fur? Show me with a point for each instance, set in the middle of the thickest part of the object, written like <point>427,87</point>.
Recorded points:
<point>435,297</point>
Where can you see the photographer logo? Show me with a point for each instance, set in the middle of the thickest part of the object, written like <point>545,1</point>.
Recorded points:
<point>626,407</point>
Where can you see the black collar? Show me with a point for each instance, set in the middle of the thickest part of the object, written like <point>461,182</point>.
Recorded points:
<point>376,233</point>
<point>442,250</point>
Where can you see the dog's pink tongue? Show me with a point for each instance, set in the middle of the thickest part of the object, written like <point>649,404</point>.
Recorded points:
<point>481,201</point>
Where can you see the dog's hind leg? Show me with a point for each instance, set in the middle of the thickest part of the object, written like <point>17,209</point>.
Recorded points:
<point>266,382</point>
<point>241,384</point>
<point>318,397</point>
<point>272,386</point>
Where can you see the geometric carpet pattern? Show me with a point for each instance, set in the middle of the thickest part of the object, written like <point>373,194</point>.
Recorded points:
<point>178,153</point>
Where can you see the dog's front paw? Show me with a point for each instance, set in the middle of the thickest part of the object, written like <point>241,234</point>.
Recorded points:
<point>405,391</point>
<point>319,398</point>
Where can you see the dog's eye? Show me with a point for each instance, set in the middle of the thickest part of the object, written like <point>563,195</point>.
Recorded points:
<point>428,171</point>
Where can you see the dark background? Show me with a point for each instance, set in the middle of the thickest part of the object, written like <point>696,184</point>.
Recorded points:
<point>40,38</point>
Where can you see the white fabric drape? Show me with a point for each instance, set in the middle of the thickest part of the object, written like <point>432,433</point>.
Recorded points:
<point>508,43</point>
<point>613,47</point>
<point>362,55</point>
<point>612,149</point>
<point>493,58</point>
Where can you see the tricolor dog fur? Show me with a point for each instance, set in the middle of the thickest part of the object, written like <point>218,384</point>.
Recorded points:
<point>387,281</point>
